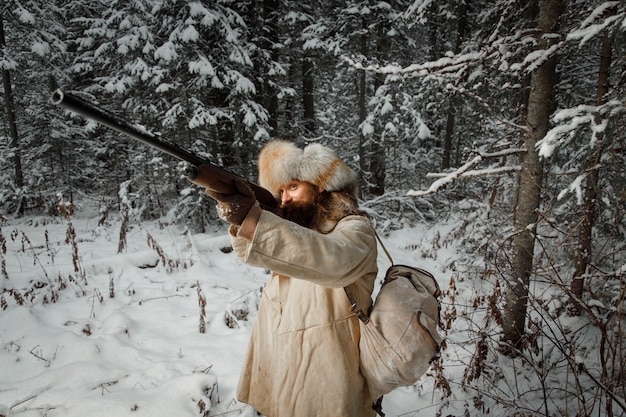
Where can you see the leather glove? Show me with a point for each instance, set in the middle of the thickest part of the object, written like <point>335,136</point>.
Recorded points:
<point>233,208</point>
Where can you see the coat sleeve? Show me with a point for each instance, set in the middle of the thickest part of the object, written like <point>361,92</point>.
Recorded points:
<point>336,259</point>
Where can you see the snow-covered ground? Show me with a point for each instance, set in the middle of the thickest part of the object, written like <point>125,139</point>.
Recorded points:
<point>85,331</point>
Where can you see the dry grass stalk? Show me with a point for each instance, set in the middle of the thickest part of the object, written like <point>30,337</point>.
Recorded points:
<point>202,304</point>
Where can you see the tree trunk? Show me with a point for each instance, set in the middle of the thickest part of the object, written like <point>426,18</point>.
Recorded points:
<point>530,182</point>
<point>10,108</point>
<point>290,129</point>
<point>271,38</point>
<point>362,99</point>
<point>447,144</point>
<point>378,149</point>
<point>308,94</point>
<point>583,249</point>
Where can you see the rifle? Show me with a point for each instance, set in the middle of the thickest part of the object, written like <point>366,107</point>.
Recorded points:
<point>201,172</point>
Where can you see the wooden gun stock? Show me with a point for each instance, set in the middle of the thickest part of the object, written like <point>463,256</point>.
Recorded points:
<point>214,177</point>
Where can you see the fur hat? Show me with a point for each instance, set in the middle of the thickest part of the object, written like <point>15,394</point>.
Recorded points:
<point>281,161</point>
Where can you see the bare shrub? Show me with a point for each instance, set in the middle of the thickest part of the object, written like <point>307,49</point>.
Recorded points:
<point>3,250</point>
<point>169,263</point>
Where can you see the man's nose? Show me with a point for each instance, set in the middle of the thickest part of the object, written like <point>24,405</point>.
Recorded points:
<point>285,198</point>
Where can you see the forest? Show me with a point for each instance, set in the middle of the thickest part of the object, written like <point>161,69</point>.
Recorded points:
<point>508,116</point>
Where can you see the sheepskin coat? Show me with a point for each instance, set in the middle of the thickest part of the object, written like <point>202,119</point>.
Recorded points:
<point>303,356</point>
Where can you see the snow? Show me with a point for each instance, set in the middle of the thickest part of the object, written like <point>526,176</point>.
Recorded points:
<point>166,52</point>
<point>40,48</point>
<point>423,131</point>
<point>575,187</point>
<point>8,64</point>
<point>387,107</point>
<point>190,34</point>
<point>25,16</point>
<point>202,117</point>
<point>109,334</point>
<point>589,30</point>
<point>164,87</point>
<point>451,63</point>
<point>447,179</point>
<point>367,128</point>
<point>201,66</point>
<point>197,9</point>
<point>244,86</point>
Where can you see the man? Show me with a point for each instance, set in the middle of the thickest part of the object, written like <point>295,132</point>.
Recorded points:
<point>303,357</point>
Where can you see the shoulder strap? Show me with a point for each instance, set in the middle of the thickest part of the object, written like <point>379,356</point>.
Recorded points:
<point>383,246</point>
<point>354,306</point>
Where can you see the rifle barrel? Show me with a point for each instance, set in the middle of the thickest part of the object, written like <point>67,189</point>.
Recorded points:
<point>203,172</point>
<point>90,111</point>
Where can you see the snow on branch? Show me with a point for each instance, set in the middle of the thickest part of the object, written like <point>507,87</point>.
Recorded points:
<point>568,121</point>
<point>465,172</point>
<point>447,179</point>
<point>476,173</point>
<point>605,16</point>
<point>446,64</point>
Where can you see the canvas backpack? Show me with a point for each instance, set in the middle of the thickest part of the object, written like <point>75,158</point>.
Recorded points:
<point>399,338</point>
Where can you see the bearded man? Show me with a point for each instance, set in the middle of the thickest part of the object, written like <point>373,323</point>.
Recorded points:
<point>303,356</point>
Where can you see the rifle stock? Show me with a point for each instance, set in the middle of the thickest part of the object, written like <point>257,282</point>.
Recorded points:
<point>201,172</point>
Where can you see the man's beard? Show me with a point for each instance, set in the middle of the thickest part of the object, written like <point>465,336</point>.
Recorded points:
<point>300,213</point>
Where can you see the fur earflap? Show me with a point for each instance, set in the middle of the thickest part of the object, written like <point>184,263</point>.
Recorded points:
<point>281,161</point>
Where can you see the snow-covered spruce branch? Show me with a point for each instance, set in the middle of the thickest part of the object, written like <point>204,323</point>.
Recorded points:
<point>456,65</point>
<point>465,172</point>
<point>569,121</point>
<point>607,15</point>
<point>441,66</point>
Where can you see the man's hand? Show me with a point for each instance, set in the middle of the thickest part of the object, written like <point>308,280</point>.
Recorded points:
<point>233,208</point>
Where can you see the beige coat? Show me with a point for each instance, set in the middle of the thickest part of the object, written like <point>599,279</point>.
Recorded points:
<point>303,357</point>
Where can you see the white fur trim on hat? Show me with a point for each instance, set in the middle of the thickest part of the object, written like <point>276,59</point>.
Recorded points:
<point>281,161</point>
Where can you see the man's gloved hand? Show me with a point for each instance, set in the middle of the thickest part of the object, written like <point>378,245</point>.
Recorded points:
<point>233,208</point>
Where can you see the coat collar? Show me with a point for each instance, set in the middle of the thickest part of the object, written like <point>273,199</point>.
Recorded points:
<point>331,208</point>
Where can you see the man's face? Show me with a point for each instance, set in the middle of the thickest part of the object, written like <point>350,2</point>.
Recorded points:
<point>299,201</point>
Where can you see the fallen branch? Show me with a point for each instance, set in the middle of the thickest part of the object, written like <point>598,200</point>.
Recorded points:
<point>32,397</point>
<point>104,385</point>
<point>141,302</point>
<point>40,356</point>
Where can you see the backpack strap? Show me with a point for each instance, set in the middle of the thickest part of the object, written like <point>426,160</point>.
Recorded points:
<point>354,306</point>
<point>383,246</point>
